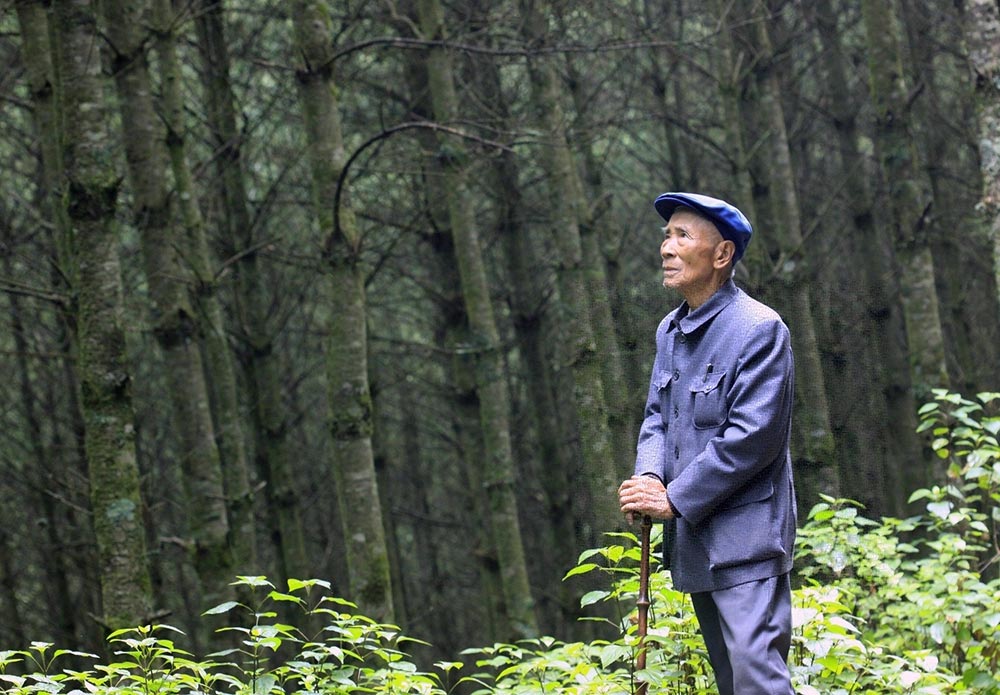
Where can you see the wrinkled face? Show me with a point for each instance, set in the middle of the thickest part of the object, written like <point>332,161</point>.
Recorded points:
<point>690,251</point>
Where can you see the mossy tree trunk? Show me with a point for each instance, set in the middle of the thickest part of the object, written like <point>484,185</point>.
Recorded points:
<point>578,352</point>
<point>210,327</point>
<point>982,37</point>
<point>878,462</point>
<point>174,322</point>
<point>910,196</point>
<point>40,62</point>
<point>491,377</point>
<point>812,436</point>
<point>600,241</point>
<point>732,79</point>
<point>38,56</point>
<point>459,364</point>
<point>44,473</point>
<point>92,185</point>
<point>270,422</point>
<point>552,460</point>
<point>349,395</point>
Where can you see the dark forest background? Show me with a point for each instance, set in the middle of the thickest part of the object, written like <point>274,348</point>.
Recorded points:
<point>366,291</point>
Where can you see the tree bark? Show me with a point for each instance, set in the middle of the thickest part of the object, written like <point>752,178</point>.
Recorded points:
<point>910,197</point>
<point>41,64</point>
<point>578,351</point>
<point>92,184</point>
<point>491,381</point>
<point>44,470</point>
<point>350,401</point>
<point>37,53</point>
<point>174,323</point>
<point>252,300</point>
<point>210,327</point>
<point>812,438</point>
<point>982,36</point>
<point>599,243</point>
<point>451,330</point>
<point>873,469</point>
<point>530,288</point>
<point>10,609</point>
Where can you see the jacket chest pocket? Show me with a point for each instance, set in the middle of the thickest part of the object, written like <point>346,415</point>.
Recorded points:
<point>709,409</point>
<point>662,383</point>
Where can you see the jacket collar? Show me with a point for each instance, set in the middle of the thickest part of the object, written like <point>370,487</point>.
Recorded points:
<point>689,321</point>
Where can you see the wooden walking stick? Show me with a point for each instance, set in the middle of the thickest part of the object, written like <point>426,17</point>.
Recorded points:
<point>643,602</point>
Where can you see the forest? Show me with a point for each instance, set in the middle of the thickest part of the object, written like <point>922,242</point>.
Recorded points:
<point>365,292</point>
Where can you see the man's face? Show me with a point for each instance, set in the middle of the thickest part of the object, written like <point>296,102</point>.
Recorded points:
<point>689,251</point>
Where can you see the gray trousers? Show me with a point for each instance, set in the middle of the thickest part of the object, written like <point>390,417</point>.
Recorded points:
<point>748,631</point>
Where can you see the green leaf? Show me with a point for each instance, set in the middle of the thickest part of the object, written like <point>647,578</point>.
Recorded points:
<point>448,666</point>
<point>252,581</point>
<point>979,680</point>
<point>264,684</point>
<point>939,509</point>
<point>581,569</point>
<point>296,584</point>
<point>278,596</point>
<point>817,508</point>
<point>222,608</point>
<point>593,597</point>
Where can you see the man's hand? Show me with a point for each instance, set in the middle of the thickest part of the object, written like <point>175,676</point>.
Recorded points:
<point>644,495</point>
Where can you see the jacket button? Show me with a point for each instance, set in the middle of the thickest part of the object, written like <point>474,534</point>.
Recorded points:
<point>682,338</point>
<point>677,452</point>
<point>677,374</point>
<point>676,411</point>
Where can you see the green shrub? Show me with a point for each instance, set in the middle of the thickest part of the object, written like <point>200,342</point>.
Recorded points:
<point>887,606</point>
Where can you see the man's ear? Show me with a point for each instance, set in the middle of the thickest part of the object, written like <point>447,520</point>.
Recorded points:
<point>723,254</point>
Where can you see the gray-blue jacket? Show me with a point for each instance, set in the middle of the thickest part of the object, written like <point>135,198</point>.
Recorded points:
<point>716,430</point>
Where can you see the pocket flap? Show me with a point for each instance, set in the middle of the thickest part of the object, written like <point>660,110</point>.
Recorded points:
<point>664,375</point>
<point>708,384</point>
<point>755,491</point>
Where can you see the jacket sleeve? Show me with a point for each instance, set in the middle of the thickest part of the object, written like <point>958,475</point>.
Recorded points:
<point>754,434</point>
<point>649,451</point>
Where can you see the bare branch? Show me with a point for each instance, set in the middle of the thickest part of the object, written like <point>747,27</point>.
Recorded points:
<point>337,229</point>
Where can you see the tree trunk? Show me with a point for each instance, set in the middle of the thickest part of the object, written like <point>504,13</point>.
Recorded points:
<point>754,265</point>
<point>981,20</point>
<point>210,326</point>
<point>252,300</point>
<point>44,470</point>
<point>347,352</point>
<point>10,609</point>
<point>598,238</point>
<point>92,183</point>
<point>871,472</point>
<point>530,289</point>
<point>174,324</point>
<point>459,364</point>
<point>910,197</point>
<point>982,36</point>
<point>491,381</point>
<point>812,436</point>
<point>578,353</point>
<point>37,53</point>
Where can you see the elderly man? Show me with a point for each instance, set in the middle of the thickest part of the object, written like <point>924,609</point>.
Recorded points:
<point>713,458</point>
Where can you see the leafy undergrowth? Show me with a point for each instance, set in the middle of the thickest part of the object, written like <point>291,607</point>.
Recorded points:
<point>881,606</point>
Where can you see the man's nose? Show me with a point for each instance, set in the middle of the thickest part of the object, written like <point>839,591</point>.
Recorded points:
<point>667,248</point>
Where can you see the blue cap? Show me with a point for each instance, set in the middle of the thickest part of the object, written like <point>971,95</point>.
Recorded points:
<point>732,224</point>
